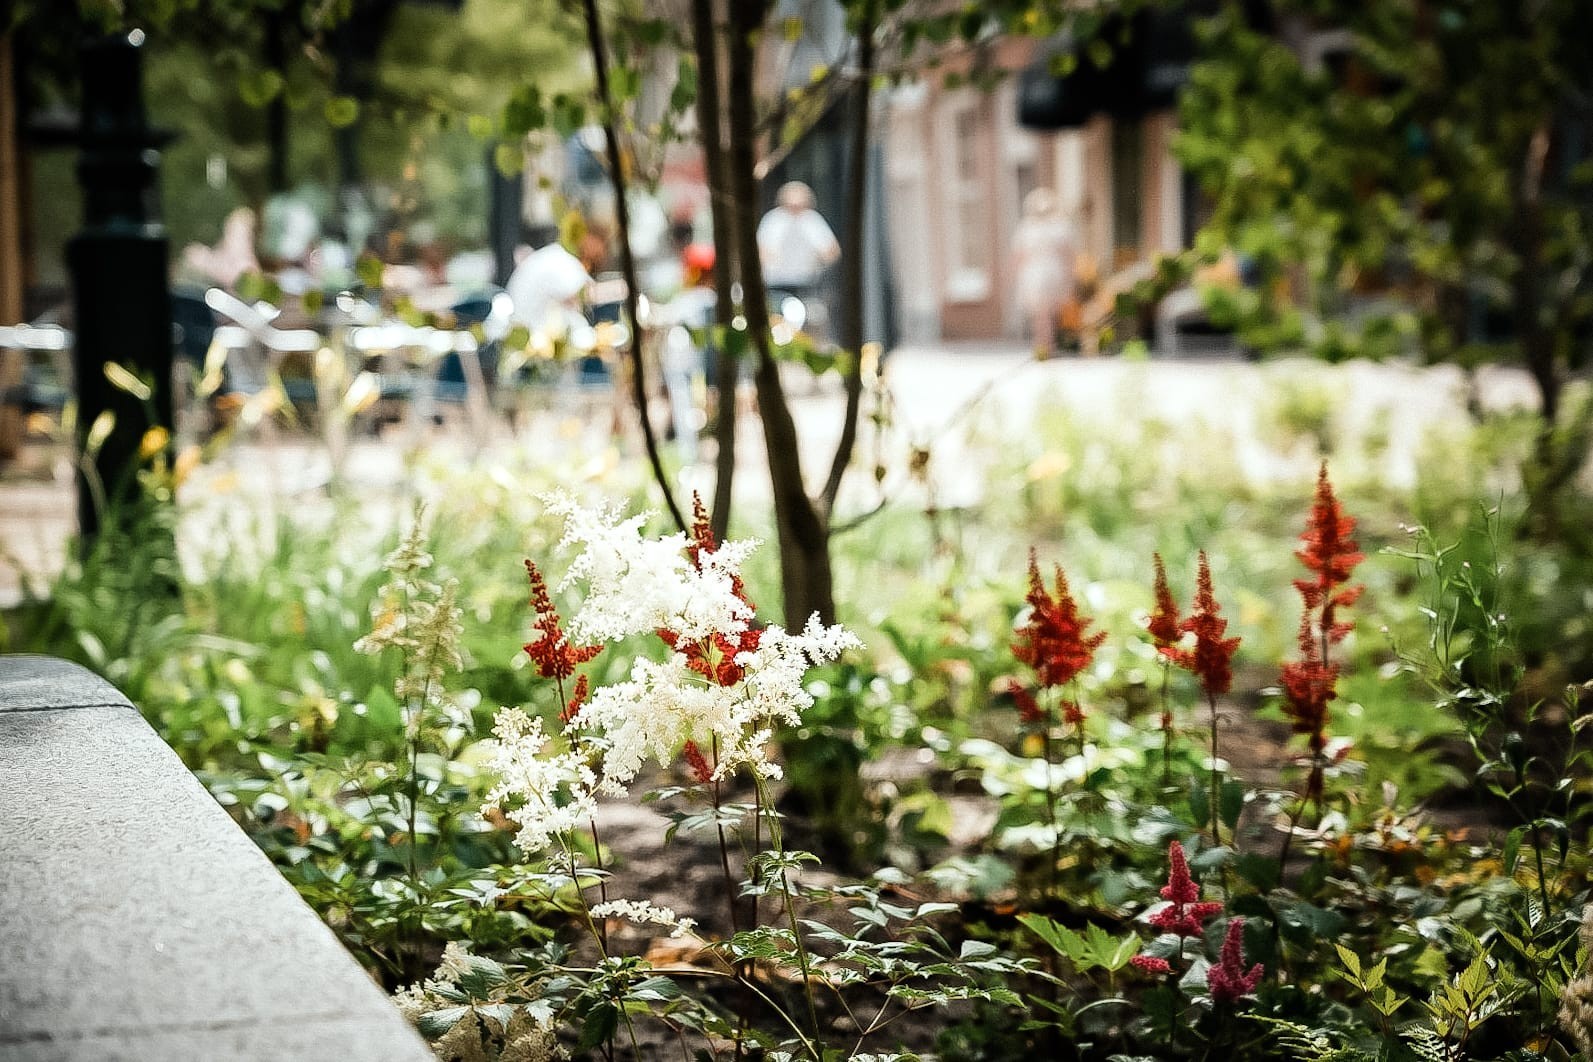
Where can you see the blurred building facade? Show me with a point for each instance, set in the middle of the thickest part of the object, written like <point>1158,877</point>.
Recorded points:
<point>958,165</point>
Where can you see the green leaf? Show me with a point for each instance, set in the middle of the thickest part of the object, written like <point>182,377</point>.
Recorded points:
<point>1199,802</point>
<point>368,268</point>
<point>1233,802</point>
<point>1062,939</point>
<point>976,949</point>
<point>260,87</point>
<point>599,1026</point>
<point>436,1022</point>
<point>342,111</point>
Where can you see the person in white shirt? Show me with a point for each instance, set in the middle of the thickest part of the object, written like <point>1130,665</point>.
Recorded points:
<point>795,243</point>
<point>546,286</point>
<point>1043,264</point>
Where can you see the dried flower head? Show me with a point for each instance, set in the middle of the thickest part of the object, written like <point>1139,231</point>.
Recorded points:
<point>1227,979</point>
<point>1053,638</point>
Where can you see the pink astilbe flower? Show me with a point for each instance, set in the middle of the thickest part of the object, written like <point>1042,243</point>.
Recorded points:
<point>1228,979</point>
<point>1211,660</point>
<point>1151,964</point>
<point>1185,913</point>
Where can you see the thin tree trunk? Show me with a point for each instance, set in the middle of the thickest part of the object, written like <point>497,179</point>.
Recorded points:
<point>1553,469</point>
<point>276,49</point>
<point>705,38</point>
<point>622,221</point>
<point>851,333</point>
<point>805,573</point>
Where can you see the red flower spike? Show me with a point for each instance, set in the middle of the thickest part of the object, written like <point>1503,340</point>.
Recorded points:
<point>1308,685</point>
<point>1328,550</point>
<point>577,699</point>
<point>713,658</point>
<point>1029,711</point>
<point>1164,620</point>
<point>1228,979</point>
<point>1185,913</point>
<point>552,653</point>
<point>1072,714</point>
<point>1054,640</point>
<point>698,763</point>
<point>1212,657</point>
<point>1151,964</point>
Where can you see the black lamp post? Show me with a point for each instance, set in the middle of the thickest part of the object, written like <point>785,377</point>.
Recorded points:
<point>118,264</point>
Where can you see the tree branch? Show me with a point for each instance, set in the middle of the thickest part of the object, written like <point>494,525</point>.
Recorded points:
<point>616,170</point>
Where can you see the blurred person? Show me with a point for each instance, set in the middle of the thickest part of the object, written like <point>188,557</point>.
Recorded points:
<point>547,285</point>
<point>1043,265</point>
<point>231,257</point>
<point>795,243</point>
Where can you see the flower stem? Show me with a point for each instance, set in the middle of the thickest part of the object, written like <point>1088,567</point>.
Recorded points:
<point>1215,810</point>
<point>790,915</point>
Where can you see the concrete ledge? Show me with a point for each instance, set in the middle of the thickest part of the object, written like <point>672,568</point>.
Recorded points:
<point>138,920</point>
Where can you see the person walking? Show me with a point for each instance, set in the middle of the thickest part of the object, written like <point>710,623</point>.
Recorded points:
<point>795,243</point>
<point>1043,264</point>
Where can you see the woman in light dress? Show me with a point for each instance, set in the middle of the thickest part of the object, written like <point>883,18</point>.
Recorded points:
<point>1042,249</point>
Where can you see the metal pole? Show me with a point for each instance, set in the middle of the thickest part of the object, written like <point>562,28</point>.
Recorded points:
<point>118,265</point>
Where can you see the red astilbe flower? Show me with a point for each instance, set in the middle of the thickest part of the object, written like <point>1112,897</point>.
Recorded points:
<point>578,698</point>
<point>1165,625</point>
<point>698,763</point>
<point>713,658</point>
<point>1328,550</point>
<point>1029,711</point>
<point>1054,640</point>
<point>1228,979</point>
<point>1309,683</point>
<point>1211,659</point>
<point>1151,964</point>
<point>551,651</point>
<point>1185,913</point>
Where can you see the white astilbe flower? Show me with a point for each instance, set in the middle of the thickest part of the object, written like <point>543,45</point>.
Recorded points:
<point>548,794</point>
<point>638,585</point>
<point>643,913</point>
<point>663,705</point>
<point>423,621</point>
<point>1576,1001</point>
<point>455,962</point>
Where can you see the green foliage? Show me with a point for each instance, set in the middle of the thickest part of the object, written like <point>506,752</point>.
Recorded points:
<point>1403,194</point>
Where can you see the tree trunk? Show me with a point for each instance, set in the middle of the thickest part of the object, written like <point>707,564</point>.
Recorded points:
<point>1552,470</point>
<point>622,222</point>
<point>851,332</point>
<point>705,38</point>
<point>276,49</point>
<point>805,573</point>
